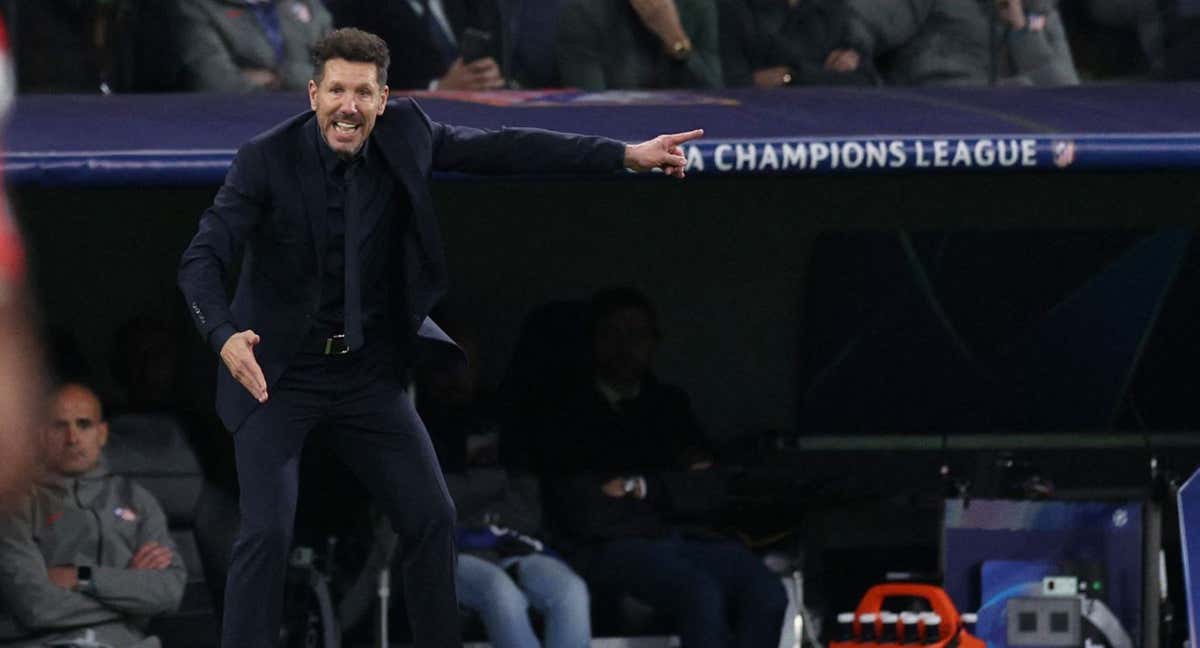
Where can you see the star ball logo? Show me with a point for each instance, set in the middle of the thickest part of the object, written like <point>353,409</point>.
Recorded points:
<point>1064,153</point>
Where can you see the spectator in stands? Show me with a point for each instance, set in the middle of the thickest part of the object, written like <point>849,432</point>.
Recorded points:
<point>621,44</point>
<point>949,41</point>
<point>87,556</point>
<point>248,45</point>
<point>632,461</point>
<point>772,43</point>
<point>503,567</point>
<point>429,36</point>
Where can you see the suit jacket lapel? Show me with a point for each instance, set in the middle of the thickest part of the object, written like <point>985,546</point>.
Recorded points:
<point>310,175</point>
<point>401,158</point>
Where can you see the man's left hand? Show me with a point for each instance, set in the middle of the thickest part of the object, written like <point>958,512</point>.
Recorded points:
<point>662,152</point>
<point>64,576</point>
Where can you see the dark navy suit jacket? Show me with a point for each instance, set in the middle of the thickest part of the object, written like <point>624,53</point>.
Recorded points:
<point>270,215</point>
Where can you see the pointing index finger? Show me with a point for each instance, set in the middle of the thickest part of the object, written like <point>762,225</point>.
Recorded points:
<point>676,139</point>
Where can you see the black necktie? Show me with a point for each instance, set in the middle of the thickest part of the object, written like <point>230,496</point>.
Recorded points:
<point>353,290</point>
<point>438,36</point>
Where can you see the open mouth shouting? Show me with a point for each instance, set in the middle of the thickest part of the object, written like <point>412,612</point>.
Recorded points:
<point>345,135</point>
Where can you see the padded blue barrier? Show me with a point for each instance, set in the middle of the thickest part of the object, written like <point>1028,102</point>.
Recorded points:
<point>190,139</point>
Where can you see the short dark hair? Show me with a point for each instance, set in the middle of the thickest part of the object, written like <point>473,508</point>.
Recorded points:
<point>354,45</point>
<point>610,301</point>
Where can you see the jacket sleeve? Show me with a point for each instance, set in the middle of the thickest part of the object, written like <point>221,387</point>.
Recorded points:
<point>704,65</point>
<point>26,590</point>
<point>578,48</point>
<point>207,63</point>
<point>877,26</point>
<point>143,592</point>
<point>1043,57</point>
<point>520,150</point>
<point>208,259</point>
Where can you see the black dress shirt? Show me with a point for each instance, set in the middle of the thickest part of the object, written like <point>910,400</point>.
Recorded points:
<point>359,188</point>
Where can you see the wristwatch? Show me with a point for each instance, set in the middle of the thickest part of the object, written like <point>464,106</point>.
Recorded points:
<point>83,578</point>
<point>630,485</point>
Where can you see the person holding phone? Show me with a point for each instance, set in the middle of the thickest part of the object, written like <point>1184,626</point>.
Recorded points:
<point>448,44</point>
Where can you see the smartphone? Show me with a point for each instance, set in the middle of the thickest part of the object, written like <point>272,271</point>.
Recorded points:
<point>474,44</point>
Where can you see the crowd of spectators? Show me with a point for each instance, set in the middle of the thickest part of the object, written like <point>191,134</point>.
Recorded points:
<point>262,45</point>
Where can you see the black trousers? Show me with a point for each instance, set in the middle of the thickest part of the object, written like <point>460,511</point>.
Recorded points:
<point>358,398</point>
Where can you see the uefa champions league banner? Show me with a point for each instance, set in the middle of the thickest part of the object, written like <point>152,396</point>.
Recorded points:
<point>935,153</point>
<point>190,139</point>
<point>824,155</point>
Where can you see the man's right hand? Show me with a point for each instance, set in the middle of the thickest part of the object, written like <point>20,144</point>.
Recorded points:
<point>151,556</point>
<point>483,74</point>
<point>238,355</point>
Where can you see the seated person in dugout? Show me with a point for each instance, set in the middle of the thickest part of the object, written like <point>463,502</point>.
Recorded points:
<point>629,462</point>
<point>86,558</point>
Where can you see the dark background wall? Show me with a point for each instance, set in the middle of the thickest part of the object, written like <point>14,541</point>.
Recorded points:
<point>725,259</point>
<point>729,262</point>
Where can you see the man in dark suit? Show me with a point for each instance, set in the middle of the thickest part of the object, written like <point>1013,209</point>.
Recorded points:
<point>341,263</point>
